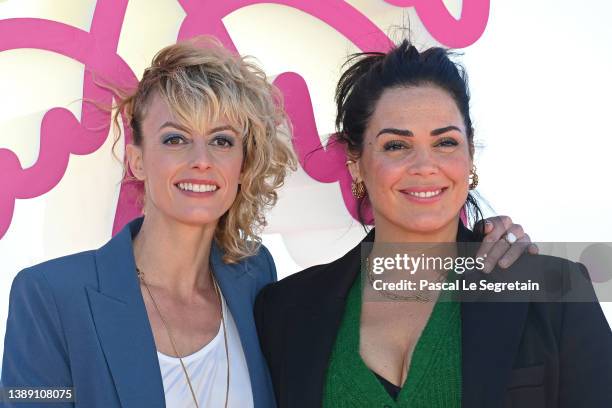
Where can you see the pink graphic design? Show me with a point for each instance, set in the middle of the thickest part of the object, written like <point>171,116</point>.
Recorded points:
<point>444,27</point>
<point>62,134</point>
<point>324,164</point>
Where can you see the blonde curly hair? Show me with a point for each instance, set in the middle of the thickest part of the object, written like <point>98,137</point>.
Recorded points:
<point>202,81</point>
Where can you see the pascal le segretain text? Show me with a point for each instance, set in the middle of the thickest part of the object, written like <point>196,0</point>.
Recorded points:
<point>482,285</point>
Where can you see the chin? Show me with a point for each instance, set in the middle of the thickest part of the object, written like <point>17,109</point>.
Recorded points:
<point>425,224</point>
<point>198,217</point>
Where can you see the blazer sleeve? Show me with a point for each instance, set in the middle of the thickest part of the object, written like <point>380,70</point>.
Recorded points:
<point>585,355</point>
<point>35,351</point>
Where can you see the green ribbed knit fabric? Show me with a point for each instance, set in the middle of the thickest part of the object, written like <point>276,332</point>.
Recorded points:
<point>434,377</point>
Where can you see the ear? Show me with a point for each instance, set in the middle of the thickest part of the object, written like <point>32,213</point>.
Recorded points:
<point>353,168</point>
<point>134,157</point>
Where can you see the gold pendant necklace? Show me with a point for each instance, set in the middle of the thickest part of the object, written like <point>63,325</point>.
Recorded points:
<point>218,292</point>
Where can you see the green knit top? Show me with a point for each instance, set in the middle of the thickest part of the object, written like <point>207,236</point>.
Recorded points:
<point>434,376</point>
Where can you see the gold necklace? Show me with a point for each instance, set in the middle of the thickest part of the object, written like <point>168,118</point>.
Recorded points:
<point>419,296</point>
<point>218,292</point>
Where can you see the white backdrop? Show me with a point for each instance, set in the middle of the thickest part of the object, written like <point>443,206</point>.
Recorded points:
<point>541,87</point>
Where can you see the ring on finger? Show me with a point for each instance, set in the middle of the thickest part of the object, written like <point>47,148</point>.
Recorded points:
<point>510,238</point>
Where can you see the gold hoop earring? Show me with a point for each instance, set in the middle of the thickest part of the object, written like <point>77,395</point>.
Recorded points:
<point>473,178</point>
<point>358,189</point>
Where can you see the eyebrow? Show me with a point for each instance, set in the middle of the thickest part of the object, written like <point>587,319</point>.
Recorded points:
<point>222,128</point>
<point>174,125</point>
<point>408,133</point>
<point>394,131</point>
<point>437,132</point>
<point>184,129</point>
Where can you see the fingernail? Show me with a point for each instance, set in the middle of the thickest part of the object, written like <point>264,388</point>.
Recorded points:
<point>503,264</point>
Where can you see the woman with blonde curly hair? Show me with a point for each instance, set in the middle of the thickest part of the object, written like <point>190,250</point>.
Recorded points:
<point>162,314</point>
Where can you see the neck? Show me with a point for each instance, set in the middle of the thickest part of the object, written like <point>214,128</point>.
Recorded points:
<point>393,233</point>
<point>430,244</point>
<point>174,255</point>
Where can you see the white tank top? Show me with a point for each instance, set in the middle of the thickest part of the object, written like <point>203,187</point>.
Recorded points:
<point>207,370</point>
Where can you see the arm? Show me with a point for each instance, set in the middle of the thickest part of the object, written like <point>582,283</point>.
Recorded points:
<point>35,351</point>
<point>585,355</point>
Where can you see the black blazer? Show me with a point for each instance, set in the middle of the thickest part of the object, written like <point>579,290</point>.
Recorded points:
<point>527,355</point>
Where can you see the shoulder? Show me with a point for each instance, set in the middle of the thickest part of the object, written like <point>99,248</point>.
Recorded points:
<point>573,312</point>
<point>320,282</point>
<point>559,276</point>
<point>58,274</point>
<point>548,262</point>
<point>260,267</point>
<point>41,292</point>
<point>552,267</point>
<point>297,283</point>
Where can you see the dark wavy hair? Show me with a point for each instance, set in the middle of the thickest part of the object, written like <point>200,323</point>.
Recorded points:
<point>369,74</point>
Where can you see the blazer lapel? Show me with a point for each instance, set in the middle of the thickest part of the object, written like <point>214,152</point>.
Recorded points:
<point>239,290</point>
<point>310,329</point>
<point>122,325</point>
<point>306,360</point>
<point>490,335</point>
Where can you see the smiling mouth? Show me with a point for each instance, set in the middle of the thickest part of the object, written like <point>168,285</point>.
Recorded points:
<point>197,188</point>
<point>425,194</point>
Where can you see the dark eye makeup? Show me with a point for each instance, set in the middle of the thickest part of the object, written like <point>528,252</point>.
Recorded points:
<point>222,140</point>
<point>173,139</point>
<point>447,142</point>
<point>394,145</point>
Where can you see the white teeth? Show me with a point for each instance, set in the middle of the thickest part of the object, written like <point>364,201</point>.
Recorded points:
<point>197,188</point>
<point>425,194</point>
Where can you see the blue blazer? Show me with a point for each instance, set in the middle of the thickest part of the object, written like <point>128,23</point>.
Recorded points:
<point>80,321</point>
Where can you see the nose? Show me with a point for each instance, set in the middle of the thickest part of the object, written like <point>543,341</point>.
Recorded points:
<point>200,157</point>
<point>422,163</point>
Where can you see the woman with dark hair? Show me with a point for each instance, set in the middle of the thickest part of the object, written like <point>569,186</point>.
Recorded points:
<point>404,117</point>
